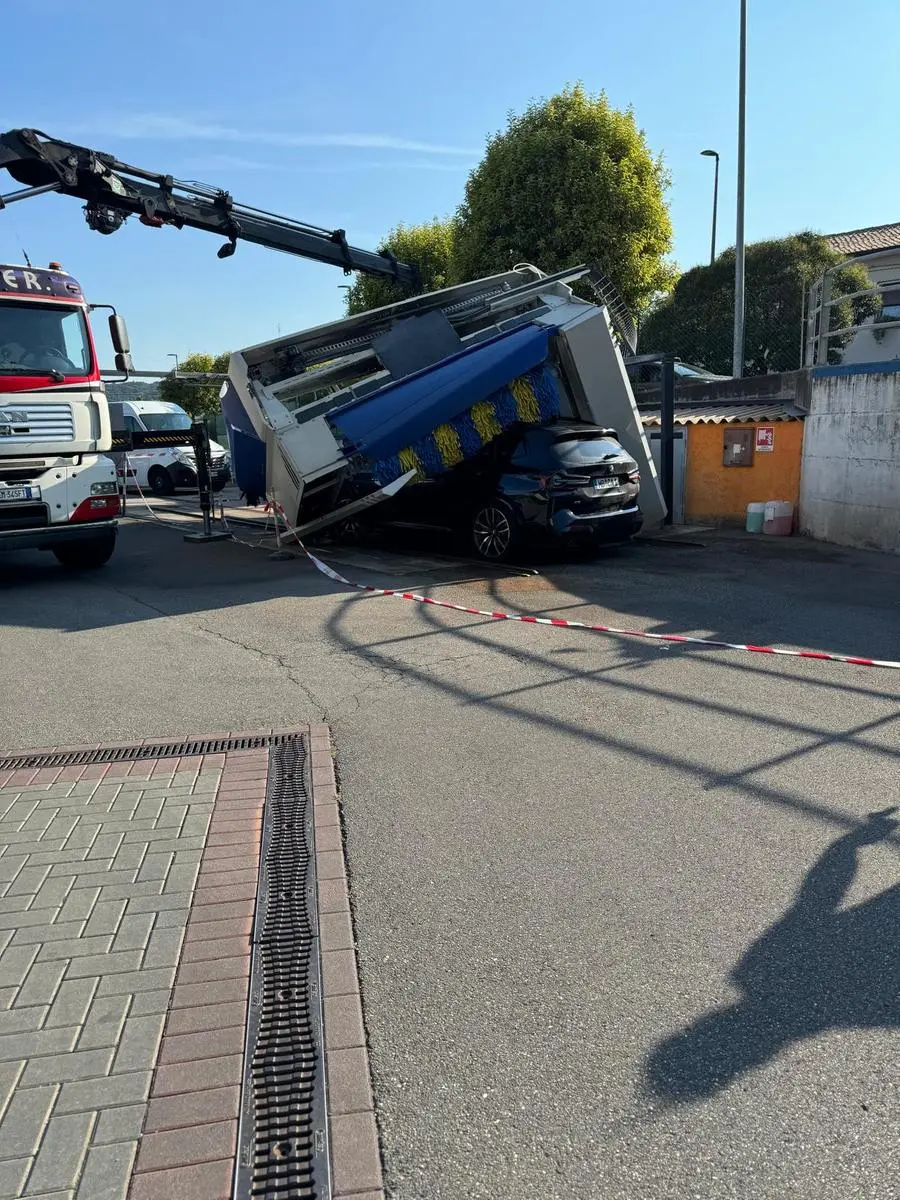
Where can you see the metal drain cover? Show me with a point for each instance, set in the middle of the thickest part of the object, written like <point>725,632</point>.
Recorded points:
<point>114,754</point>
<point>283,1139</point>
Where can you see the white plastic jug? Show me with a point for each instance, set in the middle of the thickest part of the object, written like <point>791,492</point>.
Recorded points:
<point>756,514</point>
<point>779,518</point>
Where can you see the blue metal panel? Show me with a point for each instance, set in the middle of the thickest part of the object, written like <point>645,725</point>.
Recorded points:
<point>248,452</point>
<point>401,413</point>
<point>870,368</point>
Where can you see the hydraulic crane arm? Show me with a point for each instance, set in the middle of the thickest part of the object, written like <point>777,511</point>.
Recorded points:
<point>114,190</point>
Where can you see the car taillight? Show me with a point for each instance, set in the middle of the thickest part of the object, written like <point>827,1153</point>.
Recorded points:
<point>634,477</point>
<point>96,508</point>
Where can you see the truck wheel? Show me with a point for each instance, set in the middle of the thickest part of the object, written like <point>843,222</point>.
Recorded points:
<point>87,555</point>
<point>160,482</point>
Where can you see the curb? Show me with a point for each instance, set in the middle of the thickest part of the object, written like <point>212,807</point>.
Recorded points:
<point>355,1152</point>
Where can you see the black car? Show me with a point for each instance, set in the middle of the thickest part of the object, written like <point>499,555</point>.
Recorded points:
<point>564,482</point>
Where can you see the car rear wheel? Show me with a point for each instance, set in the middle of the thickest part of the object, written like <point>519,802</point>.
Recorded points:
<point>160,482</point>
<point>494,531</point>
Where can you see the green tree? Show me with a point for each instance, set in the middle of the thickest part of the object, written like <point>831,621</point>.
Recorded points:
<point>696,322</point>
<point>428,246</point>
<point>570,180</point>
<point>201,400</point>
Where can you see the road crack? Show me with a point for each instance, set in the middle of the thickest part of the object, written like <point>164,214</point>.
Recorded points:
<point>276,660</point>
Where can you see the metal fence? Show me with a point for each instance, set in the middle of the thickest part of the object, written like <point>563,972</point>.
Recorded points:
<point>703,335</point>
<point>827,340</point>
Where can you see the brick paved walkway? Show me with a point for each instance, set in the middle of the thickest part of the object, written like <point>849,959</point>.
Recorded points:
<point>128,894</point>
<point>98,867</point>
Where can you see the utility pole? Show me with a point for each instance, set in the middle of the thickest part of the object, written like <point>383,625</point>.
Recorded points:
<point>737,364</point>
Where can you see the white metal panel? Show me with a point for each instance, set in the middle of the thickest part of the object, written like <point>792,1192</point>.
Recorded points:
<point>598,381</point>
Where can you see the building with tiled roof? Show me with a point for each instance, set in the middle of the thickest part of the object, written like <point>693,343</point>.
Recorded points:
<point>871,240</point>
<point>877,248</point>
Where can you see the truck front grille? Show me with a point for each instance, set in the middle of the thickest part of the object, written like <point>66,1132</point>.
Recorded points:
<point>22,472</point>
<point>23,516</point>
<point>36,423</point>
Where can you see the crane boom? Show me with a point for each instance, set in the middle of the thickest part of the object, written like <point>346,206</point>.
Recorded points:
<point>113,190</point>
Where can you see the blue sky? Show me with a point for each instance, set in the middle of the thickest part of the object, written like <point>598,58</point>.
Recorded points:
<point>364,114</point>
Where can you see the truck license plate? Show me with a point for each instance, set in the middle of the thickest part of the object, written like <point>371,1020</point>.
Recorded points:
<point>13,495</point>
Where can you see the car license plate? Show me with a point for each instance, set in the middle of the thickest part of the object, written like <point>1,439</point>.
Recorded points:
<point>14,495</point>
<point>610,481</point>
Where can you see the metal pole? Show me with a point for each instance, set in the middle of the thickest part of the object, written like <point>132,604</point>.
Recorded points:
<point>712,251</point>
<point>27,193</point>
<point>200,442</point>
<point>737,364</point>
<point>667,437</point>
<point>802,324</point>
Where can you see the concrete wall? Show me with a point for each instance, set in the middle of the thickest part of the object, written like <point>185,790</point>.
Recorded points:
<point>790,387</point>
<point>714,493</point>
<point>850,486</point>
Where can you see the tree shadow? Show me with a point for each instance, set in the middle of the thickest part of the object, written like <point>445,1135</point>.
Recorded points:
<point>819,968</point>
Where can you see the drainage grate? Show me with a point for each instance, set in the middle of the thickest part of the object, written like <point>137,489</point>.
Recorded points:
<point>80,758</point>
<point>283,1143</point>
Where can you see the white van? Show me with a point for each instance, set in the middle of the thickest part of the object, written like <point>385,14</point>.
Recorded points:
<point>162,471</point>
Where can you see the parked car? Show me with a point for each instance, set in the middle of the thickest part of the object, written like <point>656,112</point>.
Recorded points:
<point>647,376</point>
<point>565,482</point>
<point>161,471</point>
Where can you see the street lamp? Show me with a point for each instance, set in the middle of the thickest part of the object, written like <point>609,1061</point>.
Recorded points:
<point>737,363</point>
<point>713,154</point>
<point>175,356</point>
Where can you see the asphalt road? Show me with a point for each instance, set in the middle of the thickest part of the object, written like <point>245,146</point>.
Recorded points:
<point>625,928</point>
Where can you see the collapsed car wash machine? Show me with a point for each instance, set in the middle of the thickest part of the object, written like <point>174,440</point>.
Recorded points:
<point>417,387</point>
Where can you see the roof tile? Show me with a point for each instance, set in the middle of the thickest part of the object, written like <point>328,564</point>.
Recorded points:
<point>724,414</point>
<point>865,241</point>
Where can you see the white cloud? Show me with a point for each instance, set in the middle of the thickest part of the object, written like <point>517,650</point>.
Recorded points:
<point>154,127</point>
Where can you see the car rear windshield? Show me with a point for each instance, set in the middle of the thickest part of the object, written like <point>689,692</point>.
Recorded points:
<point>544,449</point>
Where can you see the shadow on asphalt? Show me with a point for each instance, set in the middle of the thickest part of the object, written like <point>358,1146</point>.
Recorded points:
<point>618,678</point>
<point>819,968</point>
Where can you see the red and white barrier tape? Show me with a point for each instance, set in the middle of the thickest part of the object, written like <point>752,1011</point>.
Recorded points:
<point>612,630</point>
<point>595,628</point>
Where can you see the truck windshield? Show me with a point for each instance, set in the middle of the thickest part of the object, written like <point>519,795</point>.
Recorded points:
<point>40,339</point>
<point>163,421</point>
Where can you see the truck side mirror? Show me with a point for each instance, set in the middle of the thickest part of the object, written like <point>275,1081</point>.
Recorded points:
<point>119,335</point>
<point>124,363</point>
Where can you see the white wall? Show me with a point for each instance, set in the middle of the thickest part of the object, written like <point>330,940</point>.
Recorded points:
<point>850,483</point>
<point>866,347</point>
